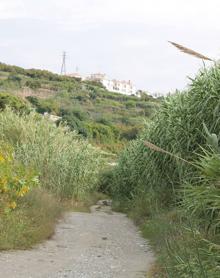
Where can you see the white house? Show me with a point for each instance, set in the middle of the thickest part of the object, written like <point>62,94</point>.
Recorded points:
<point>113,85</point>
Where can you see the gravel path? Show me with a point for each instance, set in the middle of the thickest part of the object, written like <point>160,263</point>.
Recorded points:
<point>101,244</point>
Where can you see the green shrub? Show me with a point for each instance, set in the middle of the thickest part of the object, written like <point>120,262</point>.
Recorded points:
<point>13,69</point>
<point>44,105</point>
<point>14,77</point>
<point>33,84</point>
<point>130,104</point>
<point>14,102</point>
<point>130,133</point>
<point>31,222</point>
<point>104,121</point>
<point>102,133</point>
<point>15,179</point>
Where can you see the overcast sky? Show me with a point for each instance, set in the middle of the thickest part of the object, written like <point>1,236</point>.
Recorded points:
<point>126,39</point>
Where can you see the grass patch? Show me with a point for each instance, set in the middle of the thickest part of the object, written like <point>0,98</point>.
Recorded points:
<point>33,221</point>
<point>158,230</point>
<point>36,216</point>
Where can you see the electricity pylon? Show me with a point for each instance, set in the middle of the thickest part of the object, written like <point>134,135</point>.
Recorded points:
<point>63,67</point>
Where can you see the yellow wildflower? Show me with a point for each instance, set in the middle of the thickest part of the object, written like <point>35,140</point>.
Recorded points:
<point>12,205</point>
<point>2,159</point>
<point>3,181</point>
<point>3,185</point>
<point>23,191</point>
<point>5,189</point>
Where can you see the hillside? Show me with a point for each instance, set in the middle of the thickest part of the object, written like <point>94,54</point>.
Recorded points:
<point>107,119</point>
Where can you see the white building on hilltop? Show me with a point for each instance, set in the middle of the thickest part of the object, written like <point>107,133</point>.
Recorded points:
<point>113,85</point>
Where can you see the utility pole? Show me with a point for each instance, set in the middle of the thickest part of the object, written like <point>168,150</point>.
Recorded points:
<point>63,67</point>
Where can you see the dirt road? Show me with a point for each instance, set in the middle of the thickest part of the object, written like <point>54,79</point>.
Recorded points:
<point>101,244</point>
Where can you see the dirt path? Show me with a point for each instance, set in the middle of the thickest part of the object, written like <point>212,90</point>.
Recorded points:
<point>102,244</point>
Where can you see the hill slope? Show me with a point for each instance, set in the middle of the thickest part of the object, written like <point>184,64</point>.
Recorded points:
<point>105,118</point>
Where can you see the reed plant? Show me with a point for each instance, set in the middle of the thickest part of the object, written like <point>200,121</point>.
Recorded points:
<point>67,165</point>
<point>177,128</point>
<point>170,170</point>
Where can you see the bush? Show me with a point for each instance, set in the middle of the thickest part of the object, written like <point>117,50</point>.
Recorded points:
<point>15,179</point>
<point>130,133</point>
<point>14,77</point>
<point>13,69</point>
<point>31,222</point>
<point>44,105</point>
<point>104,121</point>
<point>33,84</point>
<point>130,104</point>
<point>75,124</point>
<point>14,102</point>
<point>102,133</point>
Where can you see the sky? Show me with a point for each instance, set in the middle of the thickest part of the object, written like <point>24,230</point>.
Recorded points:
<point>126,39</point>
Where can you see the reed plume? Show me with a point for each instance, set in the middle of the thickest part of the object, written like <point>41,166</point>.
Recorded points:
<point>190,51</point>
<point>158,149</point>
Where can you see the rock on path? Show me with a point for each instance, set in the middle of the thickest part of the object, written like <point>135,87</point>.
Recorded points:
<point>101,244</point>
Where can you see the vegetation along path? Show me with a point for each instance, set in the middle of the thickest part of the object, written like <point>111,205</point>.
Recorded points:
<point>100,244</point>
